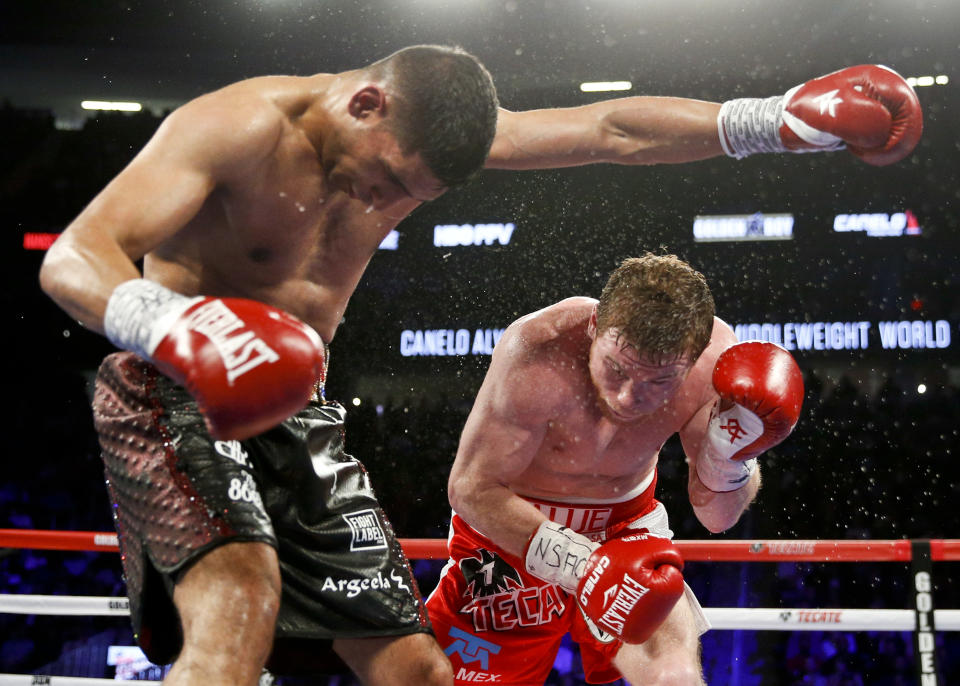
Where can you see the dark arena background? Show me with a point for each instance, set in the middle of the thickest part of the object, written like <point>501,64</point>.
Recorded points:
<point>852,267</point>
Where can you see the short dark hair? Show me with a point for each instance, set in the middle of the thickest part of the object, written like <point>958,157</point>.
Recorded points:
<point>445,108</point>
<point>660,305</point>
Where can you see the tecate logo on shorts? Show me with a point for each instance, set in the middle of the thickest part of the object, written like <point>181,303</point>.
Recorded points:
<point>527,606</point>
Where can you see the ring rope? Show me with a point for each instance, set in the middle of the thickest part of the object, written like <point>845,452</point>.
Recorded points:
<point>35,679</point>
<point>919,553</point>
<point>895,550</point>
<point>766,619</point>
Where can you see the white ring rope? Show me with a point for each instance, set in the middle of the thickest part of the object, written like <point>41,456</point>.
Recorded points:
<point>22,604</point>
<point>760,618</point>
<point>825,619</point>
<point>34,679</point>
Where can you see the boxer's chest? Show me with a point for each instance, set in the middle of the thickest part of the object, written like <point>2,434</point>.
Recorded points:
<point>582,444</point>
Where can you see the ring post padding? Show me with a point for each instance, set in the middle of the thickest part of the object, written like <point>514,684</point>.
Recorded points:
<point>924,642</point>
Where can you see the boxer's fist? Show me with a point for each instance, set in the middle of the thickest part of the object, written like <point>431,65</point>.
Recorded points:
<point>248,365</point>
<point>869,108</point>
<point>630,585</point>
<point>558,555</point>
<point>761,392</point>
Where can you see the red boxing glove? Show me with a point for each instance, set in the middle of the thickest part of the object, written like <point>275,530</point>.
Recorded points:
<point>869,109</point>
<point>761,392</point>
<point>248,365</point>
<point>764,379</point>
<point>631,584</point>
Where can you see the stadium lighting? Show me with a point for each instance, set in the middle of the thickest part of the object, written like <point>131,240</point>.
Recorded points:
<point>939,80</point>
<point>106,105</point>
<point>599,86</point>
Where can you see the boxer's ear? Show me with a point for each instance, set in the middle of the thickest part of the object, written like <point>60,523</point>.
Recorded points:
<point>592,324</point>
<point>368,101</point>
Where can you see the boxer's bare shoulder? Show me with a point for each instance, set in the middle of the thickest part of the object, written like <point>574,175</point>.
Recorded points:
<point>542,355</point>
<point>273,227</point>
<point>224,131</point>
<point>697,390</point>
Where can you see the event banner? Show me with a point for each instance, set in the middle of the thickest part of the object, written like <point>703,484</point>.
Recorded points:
<point>905,334</point>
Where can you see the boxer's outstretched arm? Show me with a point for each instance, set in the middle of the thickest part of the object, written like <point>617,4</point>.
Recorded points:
<point>154,197</point>
<point>869,109</point>
<point>502,434</point>
<point>634,130</point>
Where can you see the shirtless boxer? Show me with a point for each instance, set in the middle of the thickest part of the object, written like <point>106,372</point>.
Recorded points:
<point>255,210</point>
<point>555,527</point>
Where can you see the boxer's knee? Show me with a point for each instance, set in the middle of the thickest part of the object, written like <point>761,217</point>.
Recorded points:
<point>667,668</point>
<point>674,674</point>
<point>670,658</point>
<point>228,604</point>
<point>435,670</point>
<point>397,661</point>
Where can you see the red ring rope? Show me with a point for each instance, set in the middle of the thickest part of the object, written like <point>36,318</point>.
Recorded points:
<point>898,550</point>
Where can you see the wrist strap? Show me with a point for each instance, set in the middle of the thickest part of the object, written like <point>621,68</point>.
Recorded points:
<point>725,476</point>
<point>558,555</point>
<point>728,433</point>
<point>751,125</point>
<point>140,313</point>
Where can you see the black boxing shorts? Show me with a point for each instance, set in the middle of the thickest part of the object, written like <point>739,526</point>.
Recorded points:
<point>177,493</point>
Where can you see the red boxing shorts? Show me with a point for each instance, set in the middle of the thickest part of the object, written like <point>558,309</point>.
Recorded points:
<point>499,624</point>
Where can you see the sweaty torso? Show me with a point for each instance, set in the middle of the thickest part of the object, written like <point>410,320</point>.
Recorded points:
<point>585,454</point>
<point>278,232</point>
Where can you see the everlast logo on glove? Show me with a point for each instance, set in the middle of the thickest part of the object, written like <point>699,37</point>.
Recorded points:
<point>248,365</point>
<point>628,595</point>
<point>631,585</point>
<point>240,353</point>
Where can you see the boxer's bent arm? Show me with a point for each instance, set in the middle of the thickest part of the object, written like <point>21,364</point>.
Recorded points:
<point>717,511</point>
<point>154,197</point>
<point>501,436</point>
<point>635,130</point>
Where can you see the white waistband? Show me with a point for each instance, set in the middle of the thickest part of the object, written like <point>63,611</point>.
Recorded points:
<point>629,495</point>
